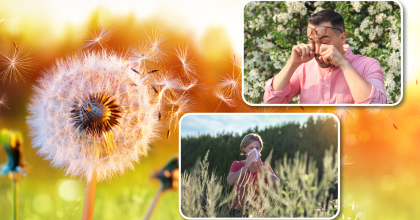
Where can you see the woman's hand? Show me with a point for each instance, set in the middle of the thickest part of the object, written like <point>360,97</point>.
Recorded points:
<point>259,162</point>
<point>250,158</point>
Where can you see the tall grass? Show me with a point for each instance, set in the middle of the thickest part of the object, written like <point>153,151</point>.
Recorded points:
<point>300,192</point>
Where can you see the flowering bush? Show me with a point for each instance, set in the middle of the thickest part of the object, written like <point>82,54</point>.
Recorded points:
<point>271,29</point>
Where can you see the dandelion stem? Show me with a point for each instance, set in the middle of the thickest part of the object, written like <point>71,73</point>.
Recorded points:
<point>14,197</point>
<point>152,206</point>
<point>89,198</point>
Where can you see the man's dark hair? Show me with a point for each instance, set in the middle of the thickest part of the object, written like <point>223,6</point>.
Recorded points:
<point>326,15</point>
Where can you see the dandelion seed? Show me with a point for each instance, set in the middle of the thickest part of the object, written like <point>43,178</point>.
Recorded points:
<point>3,19</point>
<point>346,114</point>
<point>142,56</point>
<point>98,38</point>
<point>16,64</point>
<point>15,46</point>
<point>154,89</point>
<point>156,41</point>
<point>153,71</point>
<point>232,84</point>
<point>346,161</point>
<point>373,110</point>
<point>135,71</point>
<point>3,101</point>
<point>224,98</point>
<point>376,110</point>
<point>182,53</point>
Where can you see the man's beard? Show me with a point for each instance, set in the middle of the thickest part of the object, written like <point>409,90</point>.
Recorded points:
<point>322,64</point>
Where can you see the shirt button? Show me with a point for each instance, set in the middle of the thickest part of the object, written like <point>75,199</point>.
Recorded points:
<point>326,85</point>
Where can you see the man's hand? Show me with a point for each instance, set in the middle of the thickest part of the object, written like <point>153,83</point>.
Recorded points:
<point>302,53</point>
<point>330,54</point>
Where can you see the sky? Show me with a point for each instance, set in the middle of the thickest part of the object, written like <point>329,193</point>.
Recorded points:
<point>194,124</point>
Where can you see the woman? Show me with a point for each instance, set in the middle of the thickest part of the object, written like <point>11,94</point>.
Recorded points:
<point>247,171</point>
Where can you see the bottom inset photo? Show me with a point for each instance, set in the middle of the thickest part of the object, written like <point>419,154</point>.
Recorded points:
<point>242,165</point>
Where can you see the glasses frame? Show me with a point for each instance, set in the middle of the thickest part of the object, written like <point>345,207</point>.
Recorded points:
<point>316,33</point>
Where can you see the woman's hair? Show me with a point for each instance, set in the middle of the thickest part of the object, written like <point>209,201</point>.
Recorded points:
<point>248,139</point>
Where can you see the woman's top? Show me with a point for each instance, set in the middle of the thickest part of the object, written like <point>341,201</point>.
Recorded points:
<point>249,176</point>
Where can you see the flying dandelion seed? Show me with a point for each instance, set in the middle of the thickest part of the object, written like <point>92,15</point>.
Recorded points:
<point>86,115</point>
<point>373,110</point>
<point>319,109</point>
<point>346,114</point>
<point>143,57</point>
<point>346,161</point>
<point>376,110</point>
<point>98,38</point>
<point>230,86</point>
<point>156,41</point>
<point>224,98</point>
<point>188,66</point>
<point>3,101</point>
<point>16,64</point>
<point>3,19</point>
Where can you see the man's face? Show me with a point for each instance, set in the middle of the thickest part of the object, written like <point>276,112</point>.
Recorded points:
<point>331,37</point>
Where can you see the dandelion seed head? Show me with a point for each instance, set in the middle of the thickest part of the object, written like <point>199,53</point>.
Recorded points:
<point>91,113</point>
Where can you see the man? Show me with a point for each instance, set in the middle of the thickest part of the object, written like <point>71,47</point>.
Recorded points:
<point>325,71</point>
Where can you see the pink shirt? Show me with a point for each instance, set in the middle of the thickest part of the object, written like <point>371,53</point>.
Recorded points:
<point>237,165</point>
<point>317,85</point>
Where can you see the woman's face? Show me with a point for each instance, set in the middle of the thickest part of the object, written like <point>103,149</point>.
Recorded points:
<point>251,146</point>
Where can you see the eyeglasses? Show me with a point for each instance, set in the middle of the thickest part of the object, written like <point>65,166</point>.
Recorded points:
<point>319,31</point>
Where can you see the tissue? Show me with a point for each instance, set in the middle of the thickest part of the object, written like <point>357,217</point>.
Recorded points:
<point>256,152</point>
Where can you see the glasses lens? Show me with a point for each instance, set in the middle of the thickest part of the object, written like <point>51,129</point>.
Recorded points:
<point>306,30</point>
<point>320,31</point>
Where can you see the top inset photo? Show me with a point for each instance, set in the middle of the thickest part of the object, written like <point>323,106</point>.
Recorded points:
<point>323,53</point>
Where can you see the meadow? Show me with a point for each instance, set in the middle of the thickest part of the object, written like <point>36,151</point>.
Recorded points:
<point>300,192</point>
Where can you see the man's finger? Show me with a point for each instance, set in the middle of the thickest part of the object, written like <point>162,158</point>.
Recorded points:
<point>303,49</point>
<point>298,50</point>
<point>312,54</point>
<point>324,47</point>
<point>311,46</point>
